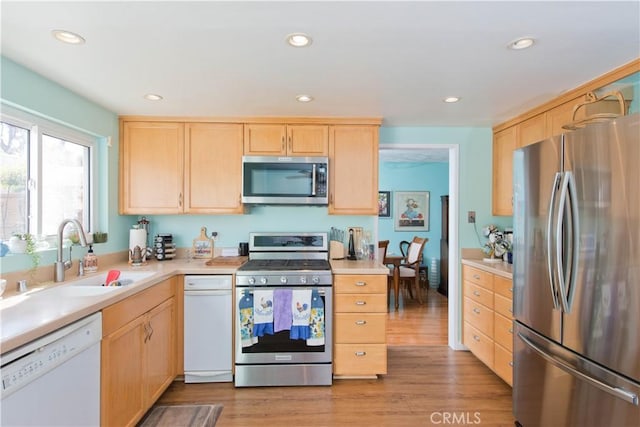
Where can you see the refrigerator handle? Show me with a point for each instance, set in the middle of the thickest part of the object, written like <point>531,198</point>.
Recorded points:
<point>567,274</point>
<point>559,363</point>
<point>554,189</point>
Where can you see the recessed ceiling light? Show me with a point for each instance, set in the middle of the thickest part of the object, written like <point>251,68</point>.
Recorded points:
<point>152,97</point>
<point>304,98</point>
<point>451,99</point>
<point>521,43</point>
<point>67,37</point>
<point>299,40</point>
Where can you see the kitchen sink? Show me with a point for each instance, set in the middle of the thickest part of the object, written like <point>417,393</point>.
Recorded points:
<point>126,278</point>
<point>83,290</point>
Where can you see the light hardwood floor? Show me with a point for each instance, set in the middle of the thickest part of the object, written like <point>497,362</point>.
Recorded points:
<point>427,384</point>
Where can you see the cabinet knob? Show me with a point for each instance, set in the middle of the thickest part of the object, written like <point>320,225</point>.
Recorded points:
<point>361,283</point>
<point>476,293</point>
<point>360,353</point>
<point>361,322</point>
<point>477,338</point>
<point>476,276</point>
<point>361,303</point>
<point>476,311</point>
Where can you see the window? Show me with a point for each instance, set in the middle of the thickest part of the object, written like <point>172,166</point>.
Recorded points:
<point>46,175</point>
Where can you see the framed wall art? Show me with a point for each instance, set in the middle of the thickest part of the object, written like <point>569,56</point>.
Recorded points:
<point>411,211</point>
<point>384,203</point>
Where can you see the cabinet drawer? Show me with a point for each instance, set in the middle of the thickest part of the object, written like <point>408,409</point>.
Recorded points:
<point>360,359</point>
<point>503,364</point>
<point>360,303</point>
<point>478,294</point>
<point>503,286</point>
<point>479,316</point>
<point>503,331</point>
<point>503,306</point>
<point>479,344</point>
<point>360,283</point>
<point>477,276</point>
<point>360,328</point>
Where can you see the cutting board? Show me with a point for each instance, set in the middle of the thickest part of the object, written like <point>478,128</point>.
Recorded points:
<point>227,260</point>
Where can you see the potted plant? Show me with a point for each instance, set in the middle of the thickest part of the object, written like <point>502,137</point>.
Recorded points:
<point>25,243</point>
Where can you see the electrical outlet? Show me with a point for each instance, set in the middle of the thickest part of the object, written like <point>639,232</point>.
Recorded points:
<point>471,217</point>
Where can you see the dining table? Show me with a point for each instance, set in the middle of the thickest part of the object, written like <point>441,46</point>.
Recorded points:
<point>396,260</point>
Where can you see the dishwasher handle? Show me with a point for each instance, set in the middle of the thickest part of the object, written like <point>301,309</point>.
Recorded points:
<point>205,293</point>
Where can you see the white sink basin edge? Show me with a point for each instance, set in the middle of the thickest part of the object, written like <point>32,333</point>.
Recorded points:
<point>98,280</point>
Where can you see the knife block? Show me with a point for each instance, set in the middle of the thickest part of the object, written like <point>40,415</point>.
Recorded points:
<point>336,250</point>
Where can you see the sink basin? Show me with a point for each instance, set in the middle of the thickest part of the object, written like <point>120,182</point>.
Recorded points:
<point>84,291</point>
<point>126,278</point>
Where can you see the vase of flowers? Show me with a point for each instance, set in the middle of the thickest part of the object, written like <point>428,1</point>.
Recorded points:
<point>496,246</point>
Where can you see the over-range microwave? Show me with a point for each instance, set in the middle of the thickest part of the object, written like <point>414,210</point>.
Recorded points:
<point>271,180</point>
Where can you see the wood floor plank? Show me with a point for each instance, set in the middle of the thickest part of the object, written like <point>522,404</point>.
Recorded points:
<point>427,384</point>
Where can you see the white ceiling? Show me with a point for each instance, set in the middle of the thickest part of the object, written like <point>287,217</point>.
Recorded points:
<point>394,60</point>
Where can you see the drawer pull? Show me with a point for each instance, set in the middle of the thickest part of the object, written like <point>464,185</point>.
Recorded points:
<point>477,338</point>
<point>476,311</point>
<point>477,277</point>
<point>511,330</point>
<point>361,322</point>
<point>511,310</point>
<point>361,303</point>
<point>361,283</point>
<point>511,290</point>
<point>476,293</point>
<point>511,364</point>
<point>360,353</point>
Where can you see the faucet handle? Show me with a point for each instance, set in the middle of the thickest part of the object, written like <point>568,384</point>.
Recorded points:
<point>22,285</point>
<point>80,268</point>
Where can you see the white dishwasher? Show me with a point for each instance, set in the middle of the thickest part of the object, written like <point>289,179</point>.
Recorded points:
<point>54,380</point>
<point>208,318</point>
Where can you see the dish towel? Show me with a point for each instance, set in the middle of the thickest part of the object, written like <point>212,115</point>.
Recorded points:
<point>316,324</point>
<point>262,312</point>
<point>301,312</point>
<point>245,312</point>
<point>282,316</point>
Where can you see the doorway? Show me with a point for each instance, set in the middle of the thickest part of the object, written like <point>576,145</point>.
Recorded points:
<point>450,154</point>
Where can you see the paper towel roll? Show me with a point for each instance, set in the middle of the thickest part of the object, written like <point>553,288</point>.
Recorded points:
<point>138,237</point>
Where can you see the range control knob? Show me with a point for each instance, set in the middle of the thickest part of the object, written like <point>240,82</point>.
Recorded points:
<point>303,280</point>
<point>251,280</point>
<point>283,280</point>
<point>315,280</point>
<point>263,280</point>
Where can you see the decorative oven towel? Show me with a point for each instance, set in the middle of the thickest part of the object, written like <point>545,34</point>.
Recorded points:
<point>316,323</point>
<point>262,312</point>
<point>245,311</point>
<point>301,311</point>
<point>282,316</point>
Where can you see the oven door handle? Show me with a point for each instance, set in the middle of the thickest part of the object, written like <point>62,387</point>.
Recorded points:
<point>321,292</point>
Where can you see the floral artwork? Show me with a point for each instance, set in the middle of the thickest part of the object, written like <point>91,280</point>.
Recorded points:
<point>412,211</point>
<point>384,203</point>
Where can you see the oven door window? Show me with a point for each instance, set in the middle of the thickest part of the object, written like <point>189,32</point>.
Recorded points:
<point>297,325</point>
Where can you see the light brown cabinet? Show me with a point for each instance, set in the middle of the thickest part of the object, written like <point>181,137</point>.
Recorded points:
<point>531,130</point>
<point>275,139</point>
<point>488,319</point>
<point>360,318</point>
<point>504,142</point>
<point>174,168</point>
<point>138,354</point>
<point>353,170</point>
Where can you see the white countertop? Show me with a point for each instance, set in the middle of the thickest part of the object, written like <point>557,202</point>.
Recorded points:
<point>499,268</point>
<point>37,312</point>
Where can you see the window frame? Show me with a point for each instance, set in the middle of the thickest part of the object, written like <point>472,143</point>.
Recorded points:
<point>39,126</point>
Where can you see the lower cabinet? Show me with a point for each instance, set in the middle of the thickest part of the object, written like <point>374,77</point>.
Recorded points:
<point>360,322</point>
<point>138,354</point>
<point>488,319</point>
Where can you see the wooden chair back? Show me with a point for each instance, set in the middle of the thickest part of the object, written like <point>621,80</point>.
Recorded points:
<point>382,250</point>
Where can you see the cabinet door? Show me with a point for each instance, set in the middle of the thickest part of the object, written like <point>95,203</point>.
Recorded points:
<point>151,158</point>
<point>531,130</point>
<point>504,142</point>
<point>159,350</point>
<point>562,115</point>
<point>122,375</point>
<point>307,140</point>
<point>213,168</point>
<point>265,139</point>
<point>353,170</point>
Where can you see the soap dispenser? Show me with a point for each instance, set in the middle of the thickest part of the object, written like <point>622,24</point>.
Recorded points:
<point>90,261</point>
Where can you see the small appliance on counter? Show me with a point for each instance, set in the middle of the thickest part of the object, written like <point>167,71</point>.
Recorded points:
<point>164,247</point>
<point>137,245</point>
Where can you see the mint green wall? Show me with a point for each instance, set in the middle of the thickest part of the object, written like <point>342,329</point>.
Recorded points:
<point>407,176</point>
<point>23,89</point>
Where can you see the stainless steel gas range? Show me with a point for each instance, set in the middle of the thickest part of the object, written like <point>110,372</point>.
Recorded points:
<point>284,311</point>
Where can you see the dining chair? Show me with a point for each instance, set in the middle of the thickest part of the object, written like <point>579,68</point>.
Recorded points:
<point>410,270</point>
<point>382,255</point>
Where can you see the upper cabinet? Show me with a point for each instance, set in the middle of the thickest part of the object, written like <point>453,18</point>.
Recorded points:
<point>285,139</point>
<point>151,158</point>
<point>174,168</point>
<point>353,170</point>
<point>548,120</point>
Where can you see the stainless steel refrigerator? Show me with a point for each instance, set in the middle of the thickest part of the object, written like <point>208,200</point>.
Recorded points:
<point>577,278</point>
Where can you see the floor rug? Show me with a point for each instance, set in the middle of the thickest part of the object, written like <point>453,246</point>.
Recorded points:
<point>182,416</point>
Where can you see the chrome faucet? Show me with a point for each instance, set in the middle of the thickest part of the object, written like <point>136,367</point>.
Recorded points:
<point>60,265</point>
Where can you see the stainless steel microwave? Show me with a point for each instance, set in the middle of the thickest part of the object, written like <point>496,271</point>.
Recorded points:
<point>271,180</point>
